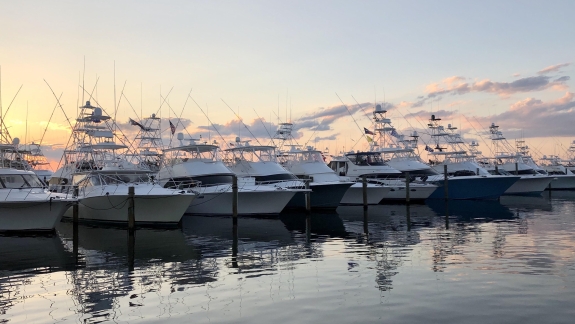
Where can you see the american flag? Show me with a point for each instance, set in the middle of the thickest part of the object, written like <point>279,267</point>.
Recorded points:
<point>394,133</point>
<point>368,132</point>
<point>428,149</point>
<point>172,127</point>
<point>135,123</point>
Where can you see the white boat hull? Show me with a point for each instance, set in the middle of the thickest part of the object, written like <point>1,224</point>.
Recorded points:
<point>416,192</point>
<point>354,195</point>
<point>31,215</point>
<point>529,185</point>
<point>249,202</point>
<point>563,182</point>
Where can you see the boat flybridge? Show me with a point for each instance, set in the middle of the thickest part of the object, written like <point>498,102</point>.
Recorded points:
<point>26,205</point>
<point>399,152</point>
<point>99,167</point>
<point>470,179</point>
<point>197,166</point>
<point>38,163</point>
<point>510,161</point>
<point>148,143</point>
<point>553,166</point>
<point>328,189</point>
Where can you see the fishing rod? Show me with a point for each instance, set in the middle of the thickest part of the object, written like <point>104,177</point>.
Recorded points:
<point>241,121</point>
<point>222,138</point>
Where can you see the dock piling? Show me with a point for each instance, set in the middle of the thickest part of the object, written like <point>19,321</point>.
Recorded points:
<point>235,199</point>
<point>307,197</point>
<point>407,189</point>
<point>131,211</point>
<point>445,182</point>
<point>364,184</point>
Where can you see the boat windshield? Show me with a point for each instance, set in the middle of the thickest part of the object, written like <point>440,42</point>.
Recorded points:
<point>16,181</point>
<point>366,159</point>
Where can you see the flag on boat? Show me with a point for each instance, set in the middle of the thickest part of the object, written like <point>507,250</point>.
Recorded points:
<point>172,127</point>
<point>428,149</point>
<point>394,133</point>
<point>368,132</point>
<point>135,123</point>
<point>369,139</point>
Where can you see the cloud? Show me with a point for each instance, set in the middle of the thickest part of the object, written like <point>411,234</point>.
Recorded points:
<point>553,68</point>
<point>425,114</point>
<point>332,137</point>
<point>533,117</point>
<point>456,85</point>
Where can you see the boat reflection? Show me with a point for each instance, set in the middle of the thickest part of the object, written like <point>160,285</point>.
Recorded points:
<point>24,257</point>
<point>117,265</point>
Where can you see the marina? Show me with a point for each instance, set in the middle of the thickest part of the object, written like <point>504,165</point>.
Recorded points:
<point>287,162</point>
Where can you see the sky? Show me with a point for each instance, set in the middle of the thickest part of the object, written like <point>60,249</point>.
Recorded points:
<point>471,63</point>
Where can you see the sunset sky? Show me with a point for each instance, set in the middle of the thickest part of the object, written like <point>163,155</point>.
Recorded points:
<point>508,62</point>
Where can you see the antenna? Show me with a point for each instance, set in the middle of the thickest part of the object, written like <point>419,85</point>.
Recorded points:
<point>26,133</point>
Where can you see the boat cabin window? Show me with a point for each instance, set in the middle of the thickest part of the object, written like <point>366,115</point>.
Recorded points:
<point>528,171</point>
<point>275,177</point>
<point>339,167</point>
<point>366,159</point>
<point>541,172</point>
<point>33,181</point>
<point>556,173</point>
<point>463,173</point>
<point>17,181</point>
<point>501,172</point>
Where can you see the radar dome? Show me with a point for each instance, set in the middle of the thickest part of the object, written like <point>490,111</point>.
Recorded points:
<point>16,141</point>
<point>180,136</point>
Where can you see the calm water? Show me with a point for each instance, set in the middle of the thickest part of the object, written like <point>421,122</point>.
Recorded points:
<point>486,262</point>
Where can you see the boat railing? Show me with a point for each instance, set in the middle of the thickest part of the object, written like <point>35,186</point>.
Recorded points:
<point>16,193</point>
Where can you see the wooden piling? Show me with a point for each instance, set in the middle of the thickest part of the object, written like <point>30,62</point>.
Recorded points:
<point>364,186</point>
<point>407,181</point>
<point>516,168</point>
<point>496,169</point>
<point>445,182</point>
<point>307,197</point>
<point>75,206</point>
<point>131,209</point>
<point>235,199</point>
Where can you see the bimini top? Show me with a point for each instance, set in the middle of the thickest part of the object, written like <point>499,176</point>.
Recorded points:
<point>199,148</point>
<point>10,171</point>
<point>103,146</point>
<point>251,148</point>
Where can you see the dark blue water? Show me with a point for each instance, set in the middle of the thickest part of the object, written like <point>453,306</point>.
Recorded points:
<point>511,261</point>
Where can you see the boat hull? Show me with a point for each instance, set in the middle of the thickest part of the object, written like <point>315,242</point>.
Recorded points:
<point>416,193</point>
<point>529,186</point>
<point>33,216</point>
<point>474,187</point>
<point>249,202</point>
<point>354,195</point>
<point>323,196</point>
<point>562,182</point>
<point>148,209</point>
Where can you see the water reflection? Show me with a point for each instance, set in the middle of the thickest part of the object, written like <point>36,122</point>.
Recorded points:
<point>343,264</point>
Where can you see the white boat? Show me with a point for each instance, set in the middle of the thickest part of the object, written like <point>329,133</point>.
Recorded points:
<point>399,152</point>
<point>98,166</point>
<point>564,178</point>
<point>450,150</point>
<point>197,166</point>
<point>25,205</point>
<point>510,161</point>
<point>354,166</point>
<point>328,189</point>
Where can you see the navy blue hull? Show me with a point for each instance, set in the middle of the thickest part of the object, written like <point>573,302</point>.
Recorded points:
<point>474,188</point>
<point>323,196</point>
